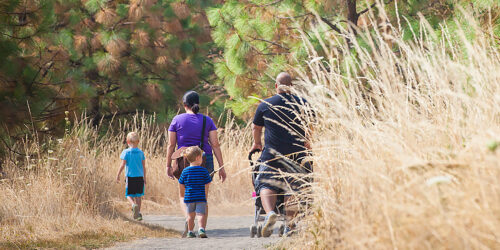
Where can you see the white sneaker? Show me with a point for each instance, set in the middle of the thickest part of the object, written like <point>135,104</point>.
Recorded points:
<point>267,229</point>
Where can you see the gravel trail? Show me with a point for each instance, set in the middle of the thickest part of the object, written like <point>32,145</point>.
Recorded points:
<point>224,232</point>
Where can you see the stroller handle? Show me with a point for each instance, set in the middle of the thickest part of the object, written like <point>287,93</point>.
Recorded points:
<point>251,154</point>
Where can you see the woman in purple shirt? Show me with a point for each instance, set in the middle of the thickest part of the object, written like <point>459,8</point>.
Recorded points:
<point>185,131</point>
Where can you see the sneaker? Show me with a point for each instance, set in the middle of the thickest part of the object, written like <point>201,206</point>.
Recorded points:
<point>139,218</point>
<point>287,232</point>
<point>267,229</point>
<point>202,233</point>
<point>184,234</point>
<point>135,211</point>
<point>191,235</point>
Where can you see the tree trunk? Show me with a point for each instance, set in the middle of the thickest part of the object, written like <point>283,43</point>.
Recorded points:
<point>352,16</point>
<point>95,114</point>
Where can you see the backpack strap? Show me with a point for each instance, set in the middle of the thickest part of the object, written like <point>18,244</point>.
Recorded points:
<point>203,132</point>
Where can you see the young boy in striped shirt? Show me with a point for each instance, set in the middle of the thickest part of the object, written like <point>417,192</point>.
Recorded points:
<point>194,183</point>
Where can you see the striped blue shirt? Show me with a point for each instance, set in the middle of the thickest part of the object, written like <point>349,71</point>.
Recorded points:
<point>194,179</point>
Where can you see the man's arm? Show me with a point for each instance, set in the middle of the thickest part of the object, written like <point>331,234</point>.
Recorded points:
<point>257,137</point>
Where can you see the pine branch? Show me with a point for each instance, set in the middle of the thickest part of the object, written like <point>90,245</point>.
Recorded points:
<point>371,7</point>
<point>331,25</point>
<point>271,42</point>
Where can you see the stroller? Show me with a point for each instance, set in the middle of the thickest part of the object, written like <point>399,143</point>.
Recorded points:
<point>260,213</point>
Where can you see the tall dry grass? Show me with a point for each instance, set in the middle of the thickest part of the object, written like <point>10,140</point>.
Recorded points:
<point>404,148</point>
<point>66,186</point>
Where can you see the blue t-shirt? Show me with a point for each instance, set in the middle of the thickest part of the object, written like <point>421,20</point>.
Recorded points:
<point>284,118</point>
<point>134,158</point>
<point>194,179</point>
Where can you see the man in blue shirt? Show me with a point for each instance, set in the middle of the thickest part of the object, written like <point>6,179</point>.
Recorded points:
<point>285,118</point>
<point>194,182</point>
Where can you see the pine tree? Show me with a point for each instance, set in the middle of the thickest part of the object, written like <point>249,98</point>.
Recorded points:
<point>258,39</point>
<point>101,57</point>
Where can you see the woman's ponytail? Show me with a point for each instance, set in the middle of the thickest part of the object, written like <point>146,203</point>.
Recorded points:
<point>195,108</point>
<point>192,100</point>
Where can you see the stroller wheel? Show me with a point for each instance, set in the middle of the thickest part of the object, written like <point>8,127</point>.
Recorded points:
<point>259,231</point>
<point>281,230</point>
<point>253,231</point>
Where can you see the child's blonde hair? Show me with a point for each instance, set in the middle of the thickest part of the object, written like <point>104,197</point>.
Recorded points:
<point>192,153</point>
<point>133,137</point>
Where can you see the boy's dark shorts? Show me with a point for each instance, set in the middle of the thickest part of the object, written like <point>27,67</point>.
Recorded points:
<point>135,186</point>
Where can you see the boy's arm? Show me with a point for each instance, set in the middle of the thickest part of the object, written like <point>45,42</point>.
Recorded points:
<point>122,166</point>
<point>144,169</point>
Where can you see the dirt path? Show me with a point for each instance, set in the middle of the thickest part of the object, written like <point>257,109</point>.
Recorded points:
<point>231,232</point>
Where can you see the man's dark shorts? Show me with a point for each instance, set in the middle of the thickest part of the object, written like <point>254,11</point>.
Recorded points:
<point>269,176</point>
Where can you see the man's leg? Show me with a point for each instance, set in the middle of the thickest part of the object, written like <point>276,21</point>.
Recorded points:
<point>268,199</point>
<point>291,210</point>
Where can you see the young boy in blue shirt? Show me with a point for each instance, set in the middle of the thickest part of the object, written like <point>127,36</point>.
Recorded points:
<point>134,162</point>
<point>194,183</point>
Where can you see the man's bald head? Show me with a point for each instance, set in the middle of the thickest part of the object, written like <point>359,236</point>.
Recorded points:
<point>284,78</point>
<point>283,82</point>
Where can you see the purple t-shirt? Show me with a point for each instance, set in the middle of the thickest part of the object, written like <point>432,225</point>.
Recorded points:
<point>188,128</point>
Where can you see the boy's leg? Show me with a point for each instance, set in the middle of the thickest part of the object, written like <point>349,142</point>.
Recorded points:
<point>201,211</point>
<point>138,201</point>
<point>201,223</point>
<point>204,217</point>
<point>131,200</point>
<point>190,220</point>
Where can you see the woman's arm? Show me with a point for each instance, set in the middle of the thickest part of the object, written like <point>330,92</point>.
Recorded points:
<point>172,141</point>
<point>214,142</point>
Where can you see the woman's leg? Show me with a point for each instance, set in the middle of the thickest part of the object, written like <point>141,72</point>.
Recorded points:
<point>182,204</point>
